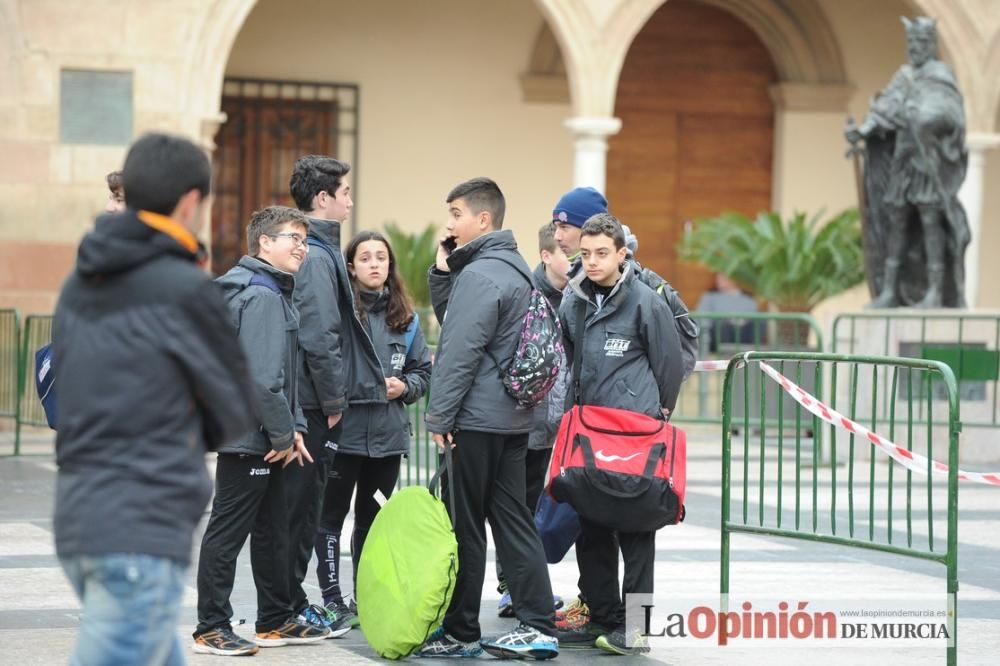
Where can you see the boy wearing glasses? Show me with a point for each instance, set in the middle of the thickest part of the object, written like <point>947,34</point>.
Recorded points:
<point>250,482</point>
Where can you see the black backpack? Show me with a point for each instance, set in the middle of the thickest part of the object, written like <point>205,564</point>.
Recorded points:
<point>687,329</point>
<point>539,355</point>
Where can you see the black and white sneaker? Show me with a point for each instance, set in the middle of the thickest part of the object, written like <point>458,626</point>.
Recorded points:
<point>521,643</point>
<point>223,642</point>
<point>440,645</point>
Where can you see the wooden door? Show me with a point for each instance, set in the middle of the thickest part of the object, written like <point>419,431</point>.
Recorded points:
<point>256,150</point>
<point>697,132</point>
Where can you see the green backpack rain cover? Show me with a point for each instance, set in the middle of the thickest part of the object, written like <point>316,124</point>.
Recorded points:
<point>407,571</point>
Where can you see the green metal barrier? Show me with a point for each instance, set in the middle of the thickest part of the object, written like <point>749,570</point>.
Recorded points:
<point>726,333</point>
<point>968,343</point>
<point>868,505</point>
<point>10,362</point>
<point>37,332</point>
<point>422,461</point>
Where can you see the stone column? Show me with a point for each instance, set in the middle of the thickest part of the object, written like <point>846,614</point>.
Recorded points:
<point>590,136</point>
<point>971,196</point>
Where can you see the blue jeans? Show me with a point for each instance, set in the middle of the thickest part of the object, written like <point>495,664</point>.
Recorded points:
<point>131,604</point>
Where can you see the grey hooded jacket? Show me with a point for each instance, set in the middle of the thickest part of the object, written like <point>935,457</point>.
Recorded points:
<point>267,326</point>
<point>374,426</point>
<point>481,305</point>
<point>631,357</point>
<point>322,295</point>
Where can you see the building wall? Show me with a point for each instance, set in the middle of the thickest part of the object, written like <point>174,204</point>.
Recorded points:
<point>440,94</point>
<point>440,100</point>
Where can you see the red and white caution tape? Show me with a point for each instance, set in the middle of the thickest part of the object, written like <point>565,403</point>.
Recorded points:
<point>708,366</point>
<point>906,458</point>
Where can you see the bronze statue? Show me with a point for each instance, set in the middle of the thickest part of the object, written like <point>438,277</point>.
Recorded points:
<point>915,230</point>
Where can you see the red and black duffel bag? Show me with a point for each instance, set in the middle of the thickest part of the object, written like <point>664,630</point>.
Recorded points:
<point>623,470</point>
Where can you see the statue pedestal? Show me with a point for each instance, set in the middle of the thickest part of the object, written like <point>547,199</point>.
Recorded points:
<point>967,340</point>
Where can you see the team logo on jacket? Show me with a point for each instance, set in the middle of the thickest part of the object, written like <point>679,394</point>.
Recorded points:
<point>616,346</point>
<point>397,361</point>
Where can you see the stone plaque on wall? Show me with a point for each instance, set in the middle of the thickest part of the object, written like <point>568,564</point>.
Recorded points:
<point>95,107</point>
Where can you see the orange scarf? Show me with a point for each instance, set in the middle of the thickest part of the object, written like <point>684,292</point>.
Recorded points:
<point>175,230</point>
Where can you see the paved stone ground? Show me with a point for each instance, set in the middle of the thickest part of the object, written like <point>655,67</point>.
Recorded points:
<point>39,613</point>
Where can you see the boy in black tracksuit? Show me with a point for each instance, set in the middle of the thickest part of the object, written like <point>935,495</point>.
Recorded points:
<point>250,478</point>
<point>321,190</point>
<point>631,359</point>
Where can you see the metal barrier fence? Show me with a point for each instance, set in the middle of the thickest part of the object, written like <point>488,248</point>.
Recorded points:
<point>868,505</point>
<point>10,363</point>
<point>37,332</point>
<point>968,343</point>
<point>421,463</point>
<point>726,333</point>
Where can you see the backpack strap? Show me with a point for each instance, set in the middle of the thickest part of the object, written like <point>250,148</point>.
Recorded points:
<point>581,317</point>
<point>315,242</point>
<point>516,268</point>
<point>411,331</point>
<point>531,283</point>
<point>265,280</point>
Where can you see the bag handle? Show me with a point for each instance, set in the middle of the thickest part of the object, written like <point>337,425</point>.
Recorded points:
<point>433,483</point>
<point>581,316</point>
<point>656,453</point>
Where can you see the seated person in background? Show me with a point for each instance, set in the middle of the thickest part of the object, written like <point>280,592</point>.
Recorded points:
<point>727,297</point>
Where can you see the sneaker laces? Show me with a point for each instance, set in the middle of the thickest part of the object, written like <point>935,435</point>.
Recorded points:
<point>324,612</point>
<point>312,617</point>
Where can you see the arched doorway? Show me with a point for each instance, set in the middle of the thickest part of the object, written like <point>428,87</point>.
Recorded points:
<point>697,132</point>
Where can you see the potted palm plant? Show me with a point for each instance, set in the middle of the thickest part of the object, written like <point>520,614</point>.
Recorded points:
<point>792,264</point>
<point>415,253</point>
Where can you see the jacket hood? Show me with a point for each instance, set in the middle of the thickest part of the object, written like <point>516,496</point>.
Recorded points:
<point>544,286</point>
<point>495,242</point>
<point>327,231</point>
<point>121,241</point>
<point>238,277</point>
<point>580,280</point>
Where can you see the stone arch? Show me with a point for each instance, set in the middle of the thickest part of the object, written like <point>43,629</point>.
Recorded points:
<point>796,33</point>
<point>545,80</point>
<point>991,94</point>
<point>206,64</point>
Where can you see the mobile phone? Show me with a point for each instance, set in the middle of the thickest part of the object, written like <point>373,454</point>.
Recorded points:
<point>449,244</point>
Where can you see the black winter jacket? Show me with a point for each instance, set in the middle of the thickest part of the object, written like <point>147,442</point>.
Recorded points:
<point>481,305</point>
<point>631,357</point>
<point>322,296</point>
<point>374,426</point>
<point>687,329</point>
<point>267,326</point>
<point>150,377</point>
